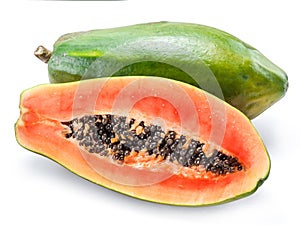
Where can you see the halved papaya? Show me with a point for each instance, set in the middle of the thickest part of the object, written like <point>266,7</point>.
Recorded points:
<point>151,138</point>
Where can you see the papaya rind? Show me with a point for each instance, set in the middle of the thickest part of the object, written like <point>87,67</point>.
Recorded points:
<point>249,81</point>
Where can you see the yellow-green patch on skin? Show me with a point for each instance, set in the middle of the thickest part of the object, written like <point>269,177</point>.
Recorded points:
<point>93,53</point>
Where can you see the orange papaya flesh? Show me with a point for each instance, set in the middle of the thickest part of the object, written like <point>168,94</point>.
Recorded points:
<point>151,138</point>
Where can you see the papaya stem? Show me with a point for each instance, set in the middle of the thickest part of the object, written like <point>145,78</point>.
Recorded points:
<point>42,53</point>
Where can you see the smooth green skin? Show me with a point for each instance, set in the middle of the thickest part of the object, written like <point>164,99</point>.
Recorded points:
<point>186,52</point>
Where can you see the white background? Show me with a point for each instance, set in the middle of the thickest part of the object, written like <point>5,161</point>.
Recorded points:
<point>35,190</point>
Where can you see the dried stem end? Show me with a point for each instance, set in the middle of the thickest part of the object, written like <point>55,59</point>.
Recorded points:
<point>42,53</point>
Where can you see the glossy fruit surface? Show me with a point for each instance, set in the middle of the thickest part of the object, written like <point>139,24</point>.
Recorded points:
<point>199,55</point>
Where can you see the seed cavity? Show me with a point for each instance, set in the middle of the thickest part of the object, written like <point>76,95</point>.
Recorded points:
<point>118,137</point>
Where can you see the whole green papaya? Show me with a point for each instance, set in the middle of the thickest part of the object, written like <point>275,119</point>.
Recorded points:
<point>200,55</point>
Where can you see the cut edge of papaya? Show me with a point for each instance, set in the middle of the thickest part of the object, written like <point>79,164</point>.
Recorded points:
<point>36,142</point>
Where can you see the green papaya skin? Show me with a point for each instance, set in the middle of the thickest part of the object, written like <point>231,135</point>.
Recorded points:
<point>181,51</point>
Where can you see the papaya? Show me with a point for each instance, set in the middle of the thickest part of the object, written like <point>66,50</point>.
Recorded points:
<point>196,54</point>
<point>133,135</point>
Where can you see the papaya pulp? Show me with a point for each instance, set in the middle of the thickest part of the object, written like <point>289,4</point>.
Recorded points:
<point>151,138</point>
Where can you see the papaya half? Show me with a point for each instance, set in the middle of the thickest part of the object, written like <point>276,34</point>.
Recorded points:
<point>199,55</point>
<point>134,135</point>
